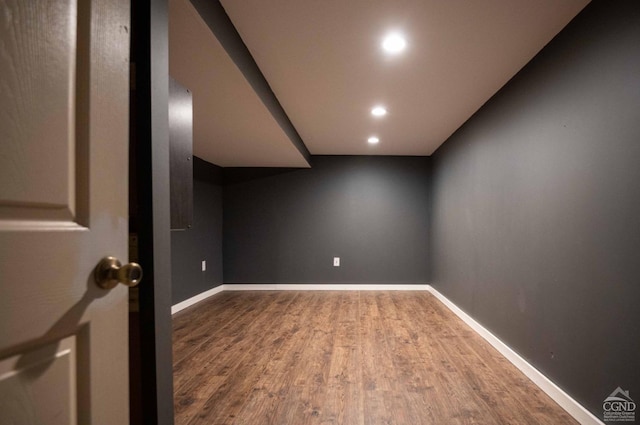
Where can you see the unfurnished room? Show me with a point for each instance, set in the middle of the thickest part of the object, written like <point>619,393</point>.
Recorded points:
<point>303,212</point>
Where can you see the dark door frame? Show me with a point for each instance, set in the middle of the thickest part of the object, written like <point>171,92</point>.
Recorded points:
<point>151,373</point>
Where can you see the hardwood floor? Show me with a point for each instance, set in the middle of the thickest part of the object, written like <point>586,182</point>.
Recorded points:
<point>344,357</point>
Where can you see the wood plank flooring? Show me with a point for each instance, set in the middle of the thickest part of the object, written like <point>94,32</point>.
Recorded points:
<point>343,357</point>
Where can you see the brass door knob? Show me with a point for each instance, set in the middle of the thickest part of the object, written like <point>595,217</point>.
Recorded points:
<point>109,272</point>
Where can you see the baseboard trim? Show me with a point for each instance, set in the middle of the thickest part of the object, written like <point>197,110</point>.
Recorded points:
<point>196,299</point>
<point>294,287</point>
<point>571,406</point>
<point>323,287</point>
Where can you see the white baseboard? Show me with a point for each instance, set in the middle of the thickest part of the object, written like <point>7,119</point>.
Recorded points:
<point>575,409</point>
<point>324,287</point>
<point>293,287</point>
<point>250,287</point>
<point>193,300</point>
<point>565,401</point>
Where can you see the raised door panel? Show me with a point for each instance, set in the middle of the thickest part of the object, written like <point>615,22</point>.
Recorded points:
<point>39,177</point>
<point>40,386</point>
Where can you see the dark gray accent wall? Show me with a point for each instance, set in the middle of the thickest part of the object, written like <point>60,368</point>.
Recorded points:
<point>285,226</point>
<point>536,208</point>
<point>203,241</point>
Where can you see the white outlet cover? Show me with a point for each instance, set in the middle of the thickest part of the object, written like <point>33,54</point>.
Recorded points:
<point>204,265</point>
<point>336,261</point>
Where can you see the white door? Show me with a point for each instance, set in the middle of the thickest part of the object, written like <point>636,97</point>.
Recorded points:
<point>64,74</point>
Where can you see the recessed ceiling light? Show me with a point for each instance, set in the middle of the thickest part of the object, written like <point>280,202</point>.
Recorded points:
<point>373,140</point>
<point>379,111</point>
<point>394,43</point>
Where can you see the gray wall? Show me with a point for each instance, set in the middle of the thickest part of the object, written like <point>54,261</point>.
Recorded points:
<point>285,226</point>
<point>536,208</point>
<point>203,241</point>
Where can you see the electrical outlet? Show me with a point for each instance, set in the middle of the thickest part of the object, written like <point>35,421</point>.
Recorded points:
<point>204,265</point>
<point>336,261</point>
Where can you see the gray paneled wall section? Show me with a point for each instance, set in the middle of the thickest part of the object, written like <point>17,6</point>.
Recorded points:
<point>536,208</point>
<point>180,155</point>
<point>203,241</point>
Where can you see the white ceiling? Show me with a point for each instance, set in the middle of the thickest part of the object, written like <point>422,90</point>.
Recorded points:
<point>324,63</point>
<point>231,125</point>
